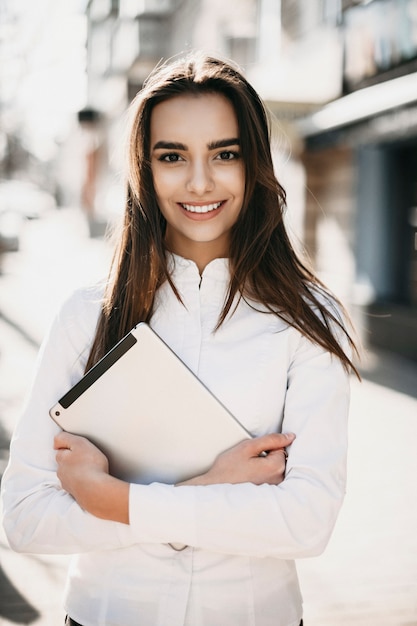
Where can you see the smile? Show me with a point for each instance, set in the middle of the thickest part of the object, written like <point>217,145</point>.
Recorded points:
<point>205,208</point>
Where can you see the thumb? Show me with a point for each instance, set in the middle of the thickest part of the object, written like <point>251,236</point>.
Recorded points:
<point>64,440</point>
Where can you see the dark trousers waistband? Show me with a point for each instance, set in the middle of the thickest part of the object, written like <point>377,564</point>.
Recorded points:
<point>70,622</point>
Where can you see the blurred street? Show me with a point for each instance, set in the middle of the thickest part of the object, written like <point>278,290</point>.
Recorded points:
<point>367,576</point>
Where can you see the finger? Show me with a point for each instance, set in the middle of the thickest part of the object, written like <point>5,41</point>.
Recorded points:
<point>272,441</point>
<point>282,453</point>
<point>62,454</point>
<point>64,440</point>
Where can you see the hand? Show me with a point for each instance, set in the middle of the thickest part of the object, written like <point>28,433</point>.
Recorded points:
<point>84,473</point>
<point>242,463</point>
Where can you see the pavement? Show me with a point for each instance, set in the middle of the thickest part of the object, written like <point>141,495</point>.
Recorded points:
<point>367,575</point>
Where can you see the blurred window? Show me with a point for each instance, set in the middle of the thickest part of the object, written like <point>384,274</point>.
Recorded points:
<point>379,36</point>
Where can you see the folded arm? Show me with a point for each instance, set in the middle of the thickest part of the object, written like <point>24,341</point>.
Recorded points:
<point>84,472</point>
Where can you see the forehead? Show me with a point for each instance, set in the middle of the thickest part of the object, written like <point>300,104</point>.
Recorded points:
<point>188,116</point>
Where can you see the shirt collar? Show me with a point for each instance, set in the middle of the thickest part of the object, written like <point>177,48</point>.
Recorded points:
<point>179,266</point>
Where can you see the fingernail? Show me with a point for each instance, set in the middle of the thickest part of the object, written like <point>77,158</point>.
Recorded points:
<point>290,435</point>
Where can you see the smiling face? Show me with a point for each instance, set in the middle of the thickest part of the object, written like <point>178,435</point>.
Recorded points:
<point>198,174</point>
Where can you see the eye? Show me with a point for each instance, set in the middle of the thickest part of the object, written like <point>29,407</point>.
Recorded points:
<point>170,157</point>
<point>228,155</point>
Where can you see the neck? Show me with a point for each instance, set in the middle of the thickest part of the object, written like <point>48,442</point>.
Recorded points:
<point>201,253</point>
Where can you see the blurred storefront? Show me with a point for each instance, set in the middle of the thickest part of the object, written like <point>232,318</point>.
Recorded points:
<point>361,162</point>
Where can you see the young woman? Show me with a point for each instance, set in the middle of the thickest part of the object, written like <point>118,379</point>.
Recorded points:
<point>204,258</point>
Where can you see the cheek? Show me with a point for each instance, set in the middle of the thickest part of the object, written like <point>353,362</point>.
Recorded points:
<point>233,179</point>
<point>165,182</point>
<point>239,178</point>
<point>242,181</point>
<point>240,187</point>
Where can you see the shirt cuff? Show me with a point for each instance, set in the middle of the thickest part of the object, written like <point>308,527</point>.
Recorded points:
<point>160,513</point>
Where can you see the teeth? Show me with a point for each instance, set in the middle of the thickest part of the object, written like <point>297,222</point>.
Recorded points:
<point>206,208</point>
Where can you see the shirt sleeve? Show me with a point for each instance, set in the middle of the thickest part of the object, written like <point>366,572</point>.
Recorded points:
<point>38,515</point>
<point>292,520</point>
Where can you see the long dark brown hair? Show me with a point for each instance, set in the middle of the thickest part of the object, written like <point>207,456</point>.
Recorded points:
<point>264,267</point>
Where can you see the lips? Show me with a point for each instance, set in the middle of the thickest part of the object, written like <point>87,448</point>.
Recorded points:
<point>201,208</point>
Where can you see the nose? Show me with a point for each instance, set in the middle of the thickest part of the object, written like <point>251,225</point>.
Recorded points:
<point>200,178</point>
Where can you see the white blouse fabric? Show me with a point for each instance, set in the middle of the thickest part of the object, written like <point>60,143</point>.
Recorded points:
<point>242,539</point>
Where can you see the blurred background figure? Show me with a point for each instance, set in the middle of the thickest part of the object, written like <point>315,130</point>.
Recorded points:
<point>93,167</point>
<point>88,120</point>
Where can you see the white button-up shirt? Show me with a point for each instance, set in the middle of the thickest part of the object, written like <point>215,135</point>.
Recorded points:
<point>239,567</point>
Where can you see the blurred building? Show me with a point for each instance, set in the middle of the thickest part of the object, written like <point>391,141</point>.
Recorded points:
<point>340,77</point>
<point>361,163</point>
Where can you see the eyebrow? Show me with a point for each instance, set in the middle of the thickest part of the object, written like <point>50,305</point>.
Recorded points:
<point>213,145</point>
<point>223,143</point>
